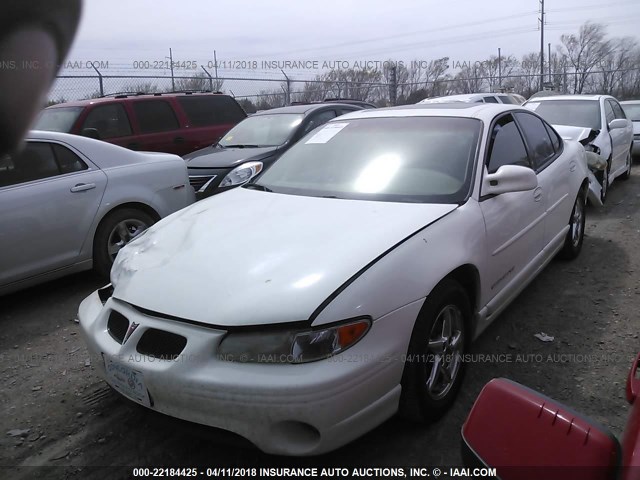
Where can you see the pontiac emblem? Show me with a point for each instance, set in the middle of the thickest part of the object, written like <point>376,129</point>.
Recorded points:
<point>130,330</point>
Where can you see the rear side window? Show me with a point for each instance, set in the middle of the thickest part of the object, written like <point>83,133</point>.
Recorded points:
<point>617,110</point>
<point>204,110</point>
<point>490,99</point>
<point>155,116</point>
<point>540,146</point>
<point>555,138</point>
<point>608,111</point>
<point>68,162</point>
<point>319,119</point>
<point>111,121</point>
<point>506,146</point>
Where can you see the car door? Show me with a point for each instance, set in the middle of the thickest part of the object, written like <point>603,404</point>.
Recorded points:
<point>514,222</point>
<point>618,153</point>
<point>49,197</point>
<point>111,123</point>
<point>158,127</point>
<point>624,136</point>
<point>554,173</point>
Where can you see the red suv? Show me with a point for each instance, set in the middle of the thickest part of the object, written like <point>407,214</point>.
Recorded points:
<point>177,123</point>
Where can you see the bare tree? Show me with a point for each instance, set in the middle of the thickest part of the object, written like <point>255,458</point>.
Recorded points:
<point>585,51</point>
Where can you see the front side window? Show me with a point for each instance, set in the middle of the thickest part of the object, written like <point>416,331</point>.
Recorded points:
<point>608,111</point>
<point>111,121</point>
<point>401,159</point>
<point>262,130</point>
<point>506,146</point>
<point>155,116</point>
<point>319,119</point>
<point>35,162</point>
<point>617,110</point>
<point>58,119</point>
<point>540,145</point>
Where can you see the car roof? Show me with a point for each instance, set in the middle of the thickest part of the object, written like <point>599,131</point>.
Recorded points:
<point>306,109</point>
<point>481,111</point>
<point>130,96</point>
<point>462,97</point>
<point>570,97</point>
<point>630,102</point>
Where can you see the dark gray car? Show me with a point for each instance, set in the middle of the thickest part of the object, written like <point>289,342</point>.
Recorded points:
<point>254,144</point>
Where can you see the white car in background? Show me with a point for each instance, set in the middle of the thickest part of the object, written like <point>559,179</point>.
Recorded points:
<point>632,111</point>
<point>350,278</point>
<point>505,98</point>
<point>69,203</point>
<point>600,124</point>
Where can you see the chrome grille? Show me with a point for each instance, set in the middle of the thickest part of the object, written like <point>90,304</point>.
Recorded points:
<point>199,182</point>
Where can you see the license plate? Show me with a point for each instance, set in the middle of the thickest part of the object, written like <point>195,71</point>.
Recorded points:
<point>127,381</point>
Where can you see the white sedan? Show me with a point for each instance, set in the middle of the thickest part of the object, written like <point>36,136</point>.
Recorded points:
<point>346,283</point>
<point>600,124</point>
<point>69,203</point>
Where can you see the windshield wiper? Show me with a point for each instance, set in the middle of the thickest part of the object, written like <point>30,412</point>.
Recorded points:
<point>240,145</point>
<point>257,186</point>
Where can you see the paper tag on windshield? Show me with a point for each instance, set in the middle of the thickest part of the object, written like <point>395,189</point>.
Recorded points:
<point>327,133</point>
<point>532,106</point>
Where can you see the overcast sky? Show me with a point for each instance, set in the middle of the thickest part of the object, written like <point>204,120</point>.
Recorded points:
<point>122,32</point>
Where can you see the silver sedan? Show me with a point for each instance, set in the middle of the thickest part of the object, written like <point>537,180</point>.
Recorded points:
<point>69,203</point>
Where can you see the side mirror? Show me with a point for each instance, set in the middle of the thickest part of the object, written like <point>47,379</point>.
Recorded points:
<point>509,178</point>
<point>525,435</point>
<point>91,133</point>
<point>618,123</point>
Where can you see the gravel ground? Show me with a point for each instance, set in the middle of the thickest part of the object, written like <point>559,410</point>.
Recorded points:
<point>57,412</point>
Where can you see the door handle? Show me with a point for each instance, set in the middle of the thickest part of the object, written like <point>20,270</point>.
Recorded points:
<point>83,187</point>
<point>537,194</point>
<point>178,140</point>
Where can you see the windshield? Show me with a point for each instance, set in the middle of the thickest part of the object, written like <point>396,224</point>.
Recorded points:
<point>399,159</point>
<point>262,130</point>
<point>59,119</point>
<point>632,110</point>
<point>577,113</point>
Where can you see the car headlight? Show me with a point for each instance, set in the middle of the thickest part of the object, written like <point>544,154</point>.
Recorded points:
<point>241,174</point>
<point>292,346</point>
<point>592,148</point>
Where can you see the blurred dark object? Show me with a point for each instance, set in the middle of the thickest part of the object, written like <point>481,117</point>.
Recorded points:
<point>35,37</point>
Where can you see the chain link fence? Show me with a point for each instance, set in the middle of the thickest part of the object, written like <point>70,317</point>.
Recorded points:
<point>264,93</point>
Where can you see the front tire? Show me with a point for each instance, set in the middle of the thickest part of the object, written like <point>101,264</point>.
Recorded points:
<point>575,236</point>
<point>603,178</point>
<point>434,366</point>
<point>116,230</point>
<point>627,174</point>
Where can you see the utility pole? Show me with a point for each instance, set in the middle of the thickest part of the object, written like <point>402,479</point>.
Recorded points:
<point>500,69</point>
<point>542,19</point>
<point>215,67</point>
<point>173,82</point>
<point>549,60</point>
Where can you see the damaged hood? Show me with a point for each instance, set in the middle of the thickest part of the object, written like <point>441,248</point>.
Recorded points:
<point>248,257</point>
<point>575,133</point>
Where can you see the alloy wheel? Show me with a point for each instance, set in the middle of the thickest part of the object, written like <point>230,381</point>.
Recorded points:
<point>123,233</point>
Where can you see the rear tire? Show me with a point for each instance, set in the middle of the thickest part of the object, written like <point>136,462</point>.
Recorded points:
<point>434,366</point>
<point>575,236</point>
<point>116,230</point>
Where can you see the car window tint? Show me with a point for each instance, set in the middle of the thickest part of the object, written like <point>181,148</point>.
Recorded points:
<point>319,119</point>
<point>506,146</point>
<point>110,121</point>
<point>203,110</point>
<point>490,99</point>
<point>617,110</point>
<point>68,161</point>
<point>155,116</point>
<point>608,111</point>
<point>540,146</point>
<point>35,162</point>
<point>556,140</point>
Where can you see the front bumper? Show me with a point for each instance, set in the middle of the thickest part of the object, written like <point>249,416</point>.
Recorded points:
<point>304,409</point>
